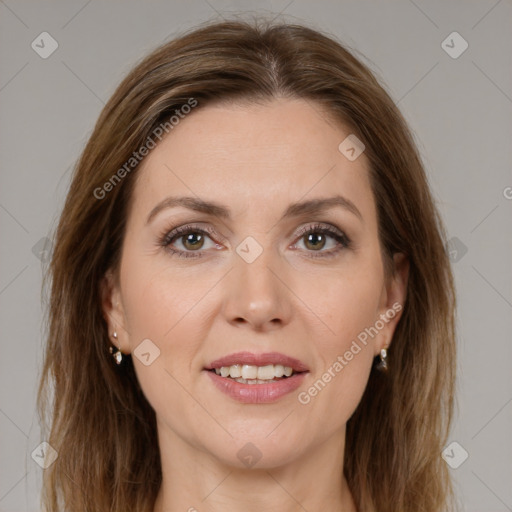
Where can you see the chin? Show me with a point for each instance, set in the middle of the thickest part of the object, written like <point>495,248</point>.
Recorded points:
<point>257,451</point>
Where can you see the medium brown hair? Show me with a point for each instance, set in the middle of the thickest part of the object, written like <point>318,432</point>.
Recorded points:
<point>99,420</point>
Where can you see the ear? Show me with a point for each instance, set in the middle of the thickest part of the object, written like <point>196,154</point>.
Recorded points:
<point>113,312</point>
<point>393,300</point>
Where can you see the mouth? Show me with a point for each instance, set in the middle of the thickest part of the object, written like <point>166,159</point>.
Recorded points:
<point>250,368</point>
<point>256,378</point>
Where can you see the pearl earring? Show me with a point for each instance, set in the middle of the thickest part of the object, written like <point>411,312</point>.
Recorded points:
<point>382,365</point>
<point>118,355</point>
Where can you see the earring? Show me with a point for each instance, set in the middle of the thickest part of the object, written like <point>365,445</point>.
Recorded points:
<point>118,356</point>
<point>382,365</point>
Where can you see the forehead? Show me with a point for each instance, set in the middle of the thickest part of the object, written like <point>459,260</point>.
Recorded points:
<point>258,155</point>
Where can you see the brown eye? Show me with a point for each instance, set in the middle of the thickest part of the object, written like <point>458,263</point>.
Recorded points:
<point>193,241</point>
<point>316,238</point>
<point>191,238</point>
<point>315,241</point>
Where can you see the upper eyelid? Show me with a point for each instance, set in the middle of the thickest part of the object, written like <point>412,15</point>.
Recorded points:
<point>210,230</point>
<point>180,231</point>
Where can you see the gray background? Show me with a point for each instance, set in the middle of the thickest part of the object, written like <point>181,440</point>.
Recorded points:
<point>459,109</point>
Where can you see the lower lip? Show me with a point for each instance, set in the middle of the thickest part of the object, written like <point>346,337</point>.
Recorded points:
<point>257,393</point>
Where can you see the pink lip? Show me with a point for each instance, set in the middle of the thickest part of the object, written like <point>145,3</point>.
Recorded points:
<point>258,360</point>
<point>256,393</point>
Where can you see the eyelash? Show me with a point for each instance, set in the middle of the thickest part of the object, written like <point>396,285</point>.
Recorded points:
<point>167,238</point>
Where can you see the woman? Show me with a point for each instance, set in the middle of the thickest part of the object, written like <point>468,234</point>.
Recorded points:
<point>251,303</point>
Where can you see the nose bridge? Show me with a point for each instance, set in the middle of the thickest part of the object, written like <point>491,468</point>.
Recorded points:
<point>256,292</point>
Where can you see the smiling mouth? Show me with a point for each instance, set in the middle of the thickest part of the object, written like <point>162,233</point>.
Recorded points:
<point>251,374</point>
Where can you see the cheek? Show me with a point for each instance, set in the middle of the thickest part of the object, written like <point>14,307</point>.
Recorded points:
<point>161,306</point>
<point>157,298</point>
<point>345,358</point>
<point>165,309</point>
<point>346,301</point>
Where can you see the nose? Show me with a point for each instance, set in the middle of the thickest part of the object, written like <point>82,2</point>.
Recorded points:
<point>257,294</point>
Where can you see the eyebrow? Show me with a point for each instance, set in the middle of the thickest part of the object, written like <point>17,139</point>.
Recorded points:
<point>313,206</point>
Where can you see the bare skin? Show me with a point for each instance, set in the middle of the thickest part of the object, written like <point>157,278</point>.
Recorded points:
<point>256,160</point>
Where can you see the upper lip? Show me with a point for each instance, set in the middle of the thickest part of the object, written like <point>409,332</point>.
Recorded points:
<point>258,360</point>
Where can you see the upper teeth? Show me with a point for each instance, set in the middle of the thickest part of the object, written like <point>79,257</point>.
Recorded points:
<point>248,371</point>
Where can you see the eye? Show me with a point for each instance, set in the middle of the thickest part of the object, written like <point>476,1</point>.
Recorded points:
<point>192,239</point>
<point>315,238</point>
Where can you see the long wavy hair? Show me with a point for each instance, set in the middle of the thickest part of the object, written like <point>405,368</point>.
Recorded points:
<point>94,413</point>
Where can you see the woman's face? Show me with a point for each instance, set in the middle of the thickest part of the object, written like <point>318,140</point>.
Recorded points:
<point>255,274</point>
